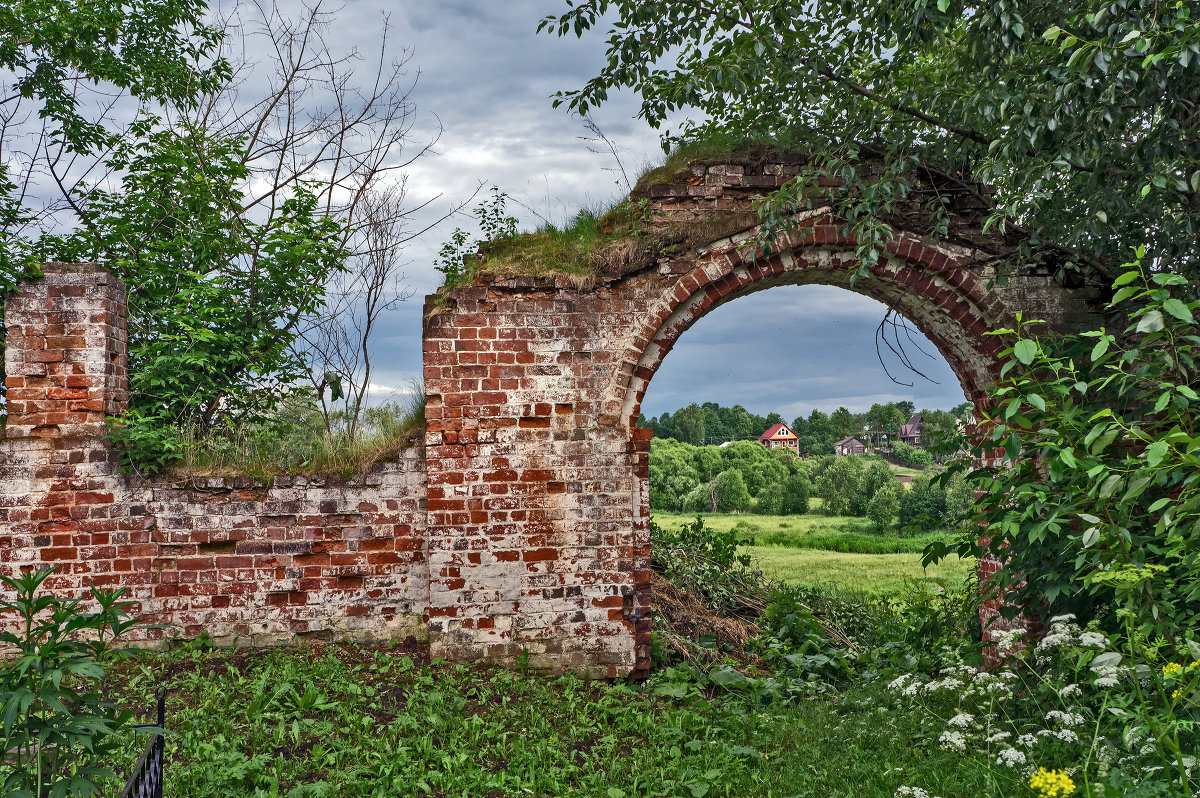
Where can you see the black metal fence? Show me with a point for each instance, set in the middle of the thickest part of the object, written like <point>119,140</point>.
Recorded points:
<point>146,779</point>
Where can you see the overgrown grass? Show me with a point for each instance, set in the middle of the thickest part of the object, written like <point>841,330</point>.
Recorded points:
<point>357,721</point>
<point>871,573</point>
<point>571,249</point>
<point>593,242</point>
<point>297,441</point>
<point>617,239</point>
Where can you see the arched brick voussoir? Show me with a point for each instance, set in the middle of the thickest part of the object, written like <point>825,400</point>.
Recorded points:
<point>933,286</point>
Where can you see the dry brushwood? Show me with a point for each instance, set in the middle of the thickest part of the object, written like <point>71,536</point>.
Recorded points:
<point>685,612</point>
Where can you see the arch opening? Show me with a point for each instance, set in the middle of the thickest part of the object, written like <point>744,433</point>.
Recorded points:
<point>952,310</point>
<point>794,349</point>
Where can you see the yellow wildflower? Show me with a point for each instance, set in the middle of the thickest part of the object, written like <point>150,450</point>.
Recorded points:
<point>1172,669</point>
<point>1052,783</point>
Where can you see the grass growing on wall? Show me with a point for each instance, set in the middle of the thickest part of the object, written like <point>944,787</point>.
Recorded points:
<point>594,242</point>
<point>298,442</point>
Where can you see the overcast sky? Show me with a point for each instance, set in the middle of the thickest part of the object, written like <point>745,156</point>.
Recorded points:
<point>486,77</point>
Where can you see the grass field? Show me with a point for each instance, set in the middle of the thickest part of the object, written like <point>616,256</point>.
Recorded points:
<point>905,470</point>
<point>872,573</point>
<point>816,550</point>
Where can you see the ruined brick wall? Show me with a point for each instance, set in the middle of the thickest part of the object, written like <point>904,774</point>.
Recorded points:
<point>538,509</point>
<point>259,563</point>
<point>536,518</point>
<point>522,524</point>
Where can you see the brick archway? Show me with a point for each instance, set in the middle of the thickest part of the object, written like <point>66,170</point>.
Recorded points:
<point>537,497</point>
<point>935,289</point>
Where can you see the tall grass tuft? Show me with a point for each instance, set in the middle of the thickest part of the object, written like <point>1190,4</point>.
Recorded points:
<point>295,440</point>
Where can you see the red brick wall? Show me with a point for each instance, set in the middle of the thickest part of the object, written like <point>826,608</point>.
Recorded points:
<point>260,563</point>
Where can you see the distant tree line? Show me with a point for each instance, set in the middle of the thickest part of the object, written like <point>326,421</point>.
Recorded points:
<point>744,476</point>
<point>710,423</point>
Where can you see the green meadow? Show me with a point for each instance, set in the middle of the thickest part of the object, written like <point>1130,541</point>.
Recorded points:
<point>816,550</point>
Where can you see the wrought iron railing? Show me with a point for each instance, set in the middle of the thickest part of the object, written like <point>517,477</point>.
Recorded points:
<point>146,779</point>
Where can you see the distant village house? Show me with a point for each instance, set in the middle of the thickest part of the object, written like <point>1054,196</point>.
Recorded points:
<point>849,445</point>
<point>910,433</point>
<point>780,436</point>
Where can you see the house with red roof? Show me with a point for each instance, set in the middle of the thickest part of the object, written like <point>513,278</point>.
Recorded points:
<point>780,436</point>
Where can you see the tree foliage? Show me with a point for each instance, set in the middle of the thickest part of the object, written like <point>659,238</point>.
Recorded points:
<point>134,139</point>
<point>215,297</point>
<point>59,54</point>
<point>1081,114</point>
<point>1097,497</point>
<point>701,478</point>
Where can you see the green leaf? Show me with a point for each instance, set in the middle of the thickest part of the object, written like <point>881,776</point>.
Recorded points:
<point>1179,310</point>
<point>1099,349</point>
<point>1124,294</point>
<point>1025,350</point>
<point>1137,486</point>
<point>1152,321</point>
<point>1155,452</point>
<point>1109,486</point>
<point>727,677</point>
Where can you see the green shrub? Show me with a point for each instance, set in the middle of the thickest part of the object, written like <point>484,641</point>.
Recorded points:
<point>1097,500</point>
<point>885,506</point>
<point>697,500</point>
<point>770,500</point>
<point>836,482</point>
<point>923,505</point>
<point>796,493</point>
<point>795,639</point>
<point>911,455</point>
<point>730,492</point>
<point>876,476</point>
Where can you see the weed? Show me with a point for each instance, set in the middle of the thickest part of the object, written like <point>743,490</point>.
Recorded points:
<point>383,723</point>
<point>60,734</point>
